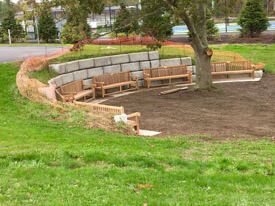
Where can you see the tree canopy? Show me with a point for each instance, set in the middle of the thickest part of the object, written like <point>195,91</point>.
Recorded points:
<point>126,21</point>
<point>9,23</point>
<point>47,28</point>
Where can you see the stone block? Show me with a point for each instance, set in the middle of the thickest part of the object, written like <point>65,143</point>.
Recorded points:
<point>120,59</point>
<point>72,66</point>
<point>141,56</point>
<point>112,69</point>
<point>80,75</point>
<point>86,63</point>
<point>58,68</point>
<point>87,83</point>
<point>51,82</point>
<point>145,65</point>
<point>102,61</point>
<point>58,81</point>
<point>155,64</point>
<point>187,61</point>
<point>192,69</point>
<point>194,77</point>
<point>95,72</point>
<point>130,67</point>
<point>259,74</point>
<point>170,62</point>
<point>67,78</point>
<point>153,55</point>
<point>138,74</point>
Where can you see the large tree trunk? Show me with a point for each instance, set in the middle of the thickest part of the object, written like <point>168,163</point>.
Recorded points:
<point>203,68</point>
<point>196,24</point>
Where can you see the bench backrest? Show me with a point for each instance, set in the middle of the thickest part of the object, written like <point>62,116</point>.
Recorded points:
<point>73,87</point>
<point>241,65</point>
<point>165,71</point>
<point>231,66</point>
<point>113,78</point>
<point>219,66</point>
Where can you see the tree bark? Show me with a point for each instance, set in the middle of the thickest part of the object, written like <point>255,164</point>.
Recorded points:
<point>203,53</point>
<point>203,69</point>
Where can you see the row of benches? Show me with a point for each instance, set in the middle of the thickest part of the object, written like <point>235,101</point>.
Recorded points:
<point>123,81</point>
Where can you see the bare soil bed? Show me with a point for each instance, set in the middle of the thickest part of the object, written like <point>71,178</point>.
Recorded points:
<point>233,110</point>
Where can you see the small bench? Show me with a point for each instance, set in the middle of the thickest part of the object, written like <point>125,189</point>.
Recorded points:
<point>134,121</point>
<point>111,81</point>
<point>233,68</point>
<point>167,73</point>
<point>74,91</point>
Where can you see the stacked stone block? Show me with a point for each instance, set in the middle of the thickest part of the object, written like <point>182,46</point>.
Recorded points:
<point>86,69</point>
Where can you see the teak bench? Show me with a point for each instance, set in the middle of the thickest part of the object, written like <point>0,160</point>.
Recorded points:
<point>111,81</point>
<point>134,121</point>
<point>74,91</point>
<point>233,68</point>
<point>166,73</point>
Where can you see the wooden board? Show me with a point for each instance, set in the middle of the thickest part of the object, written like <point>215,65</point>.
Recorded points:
<point>172,91</point>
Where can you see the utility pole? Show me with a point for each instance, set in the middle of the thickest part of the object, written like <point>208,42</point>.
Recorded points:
<point>213,4</point>
<point>226,20</point>
<point>37,30</point>
<point>110,12</point>
<point>267,6</point>
<point>9,32</point>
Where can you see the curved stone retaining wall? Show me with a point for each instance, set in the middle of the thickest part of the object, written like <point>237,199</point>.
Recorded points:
<point>135,62</point>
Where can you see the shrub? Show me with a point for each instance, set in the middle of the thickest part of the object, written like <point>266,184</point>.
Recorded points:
<point>253,19</point>
<point>74,33</point>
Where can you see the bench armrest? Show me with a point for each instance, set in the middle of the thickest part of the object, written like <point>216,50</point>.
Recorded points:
<point>64,97</point>
<point>134,115</point>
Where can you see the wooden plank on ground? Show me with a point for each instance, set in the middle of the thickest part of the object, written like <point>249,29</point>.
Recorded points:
<point>171,91</point>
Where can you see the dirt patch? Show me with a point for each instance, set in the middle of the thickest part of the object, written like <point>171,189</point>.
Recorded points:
<point>233,110</point>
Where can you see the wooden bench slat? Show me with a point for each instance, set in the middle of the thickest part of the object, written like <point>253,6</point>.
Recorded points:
<point>166,73</point>
<point>227,68</point>
<point>116,80</point>
<point>73,91</point>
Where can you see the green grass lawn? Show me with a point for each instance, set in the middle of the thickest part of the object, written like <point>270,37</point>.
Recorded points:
<point>254,52</point>
<point>45,160</point>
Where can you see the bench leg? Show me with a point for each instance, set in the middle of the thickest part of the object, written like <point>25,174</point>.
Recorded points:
<point>102,92</point>
<point>190,78</point>
<point>137,87</point>
<point>148,84</point>
<point>93,93</point>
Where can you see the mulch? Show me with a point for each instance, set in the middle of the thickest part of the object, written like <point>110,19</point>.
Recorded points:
<point>232,110</point>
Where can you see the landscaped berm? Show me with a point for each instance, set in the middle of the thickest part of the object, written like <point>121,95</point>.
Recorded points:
<point>71,132</point>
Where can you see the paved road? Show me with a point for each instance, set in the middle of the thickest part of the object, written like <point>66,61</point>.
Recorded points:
<point>17,53</point>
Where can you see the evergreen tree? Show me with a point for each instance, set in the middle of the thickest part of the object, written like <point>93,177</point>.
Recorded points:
<point>126,21</point>
<point>47,28</point>
<point>9,23</point>
<point>212,30</point>
<point>156,22</point>
<point>77,12</point>
<point>253,19</point>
